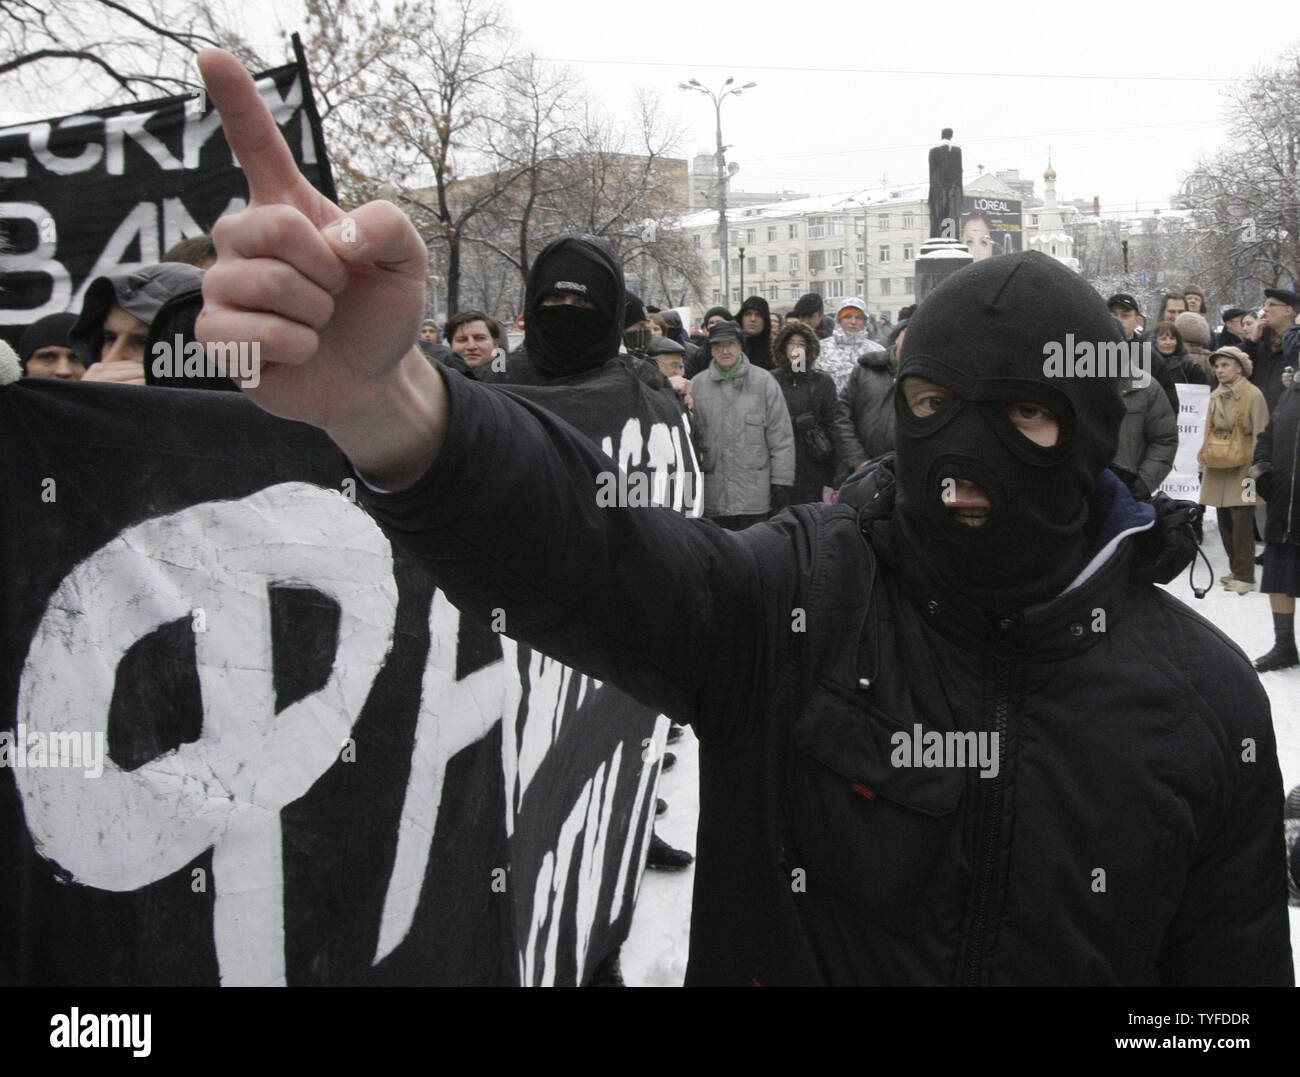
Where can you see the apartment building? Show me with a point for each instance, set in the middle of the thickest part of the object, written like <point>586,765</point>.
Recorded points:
<point>859,244</point>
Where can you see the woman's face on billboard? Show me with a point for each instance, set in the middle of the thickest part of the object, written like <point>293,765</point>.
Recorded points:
<point>978,238</point>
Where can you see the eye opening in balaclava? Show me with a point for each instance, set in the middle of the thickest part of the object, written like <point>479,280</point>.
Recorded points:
<point>983,336</point>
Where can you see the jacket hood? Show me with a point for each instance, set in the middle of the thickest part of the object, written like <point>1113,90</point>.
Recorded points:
<point>758,303</point>
<point>607,272</point>
<point>141,294</point>
<point>796,329</point>
<point>875,358</point>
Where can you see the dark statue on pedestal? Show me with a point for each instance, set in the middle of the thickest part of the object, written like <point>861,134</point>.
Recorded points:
<point>945,187</point>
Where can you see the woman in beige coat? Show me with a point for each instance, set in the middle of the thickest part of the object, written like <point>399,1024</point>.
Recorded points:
<point>1223,487</point>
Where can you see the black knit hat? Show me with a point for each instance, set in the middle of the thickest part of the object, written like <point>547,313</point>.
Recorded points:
<point>44,332</point>
<point>809,303</point>
<point>726,314</point>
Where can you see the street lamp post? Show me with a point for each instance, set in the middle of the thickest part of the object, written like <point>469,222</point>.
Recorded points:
<point>741,262</point>
<point>721,162</point>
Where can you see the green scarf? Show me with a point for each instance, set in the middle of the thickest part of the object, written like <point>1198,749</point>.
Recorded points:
<point>735,368</point>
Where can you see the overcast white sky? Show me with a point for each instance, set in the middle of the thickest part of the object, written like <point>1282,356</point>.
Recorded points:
<point>1126,95</point>
<point>849,91</point>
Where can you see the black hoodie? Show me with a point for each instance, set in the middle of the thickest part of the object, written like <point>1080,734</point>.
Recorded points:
<point>759,346</point>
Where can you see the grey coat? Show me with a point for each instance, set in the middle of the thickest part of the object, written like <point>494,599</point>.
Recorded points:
<point>1148,436</point>
<point>745,438</point>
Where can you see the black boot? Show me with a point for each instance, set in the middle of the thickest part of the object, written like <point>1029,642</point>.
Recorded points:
<point>664,857</point>
<point>1283,655</point>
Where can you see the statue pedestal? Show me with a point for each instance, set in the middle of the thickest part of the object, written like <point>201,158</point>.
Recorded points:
<point>938,259</point>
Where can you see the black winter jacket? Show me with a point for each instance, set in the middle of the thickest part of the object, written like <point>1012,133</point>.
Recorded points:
<point>758,348</point>
<point>1123,840</point>
<point>1267,356</point>
<point>865,427</point>
<point>810,399</point>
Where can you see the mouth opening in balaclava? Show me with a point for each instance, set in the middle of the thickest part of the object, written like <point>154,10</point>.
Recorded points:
<point>984,334</point>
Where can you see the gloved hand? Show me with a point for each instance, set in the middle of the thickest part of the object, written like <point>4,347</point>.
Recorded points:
<point>1263,476</point>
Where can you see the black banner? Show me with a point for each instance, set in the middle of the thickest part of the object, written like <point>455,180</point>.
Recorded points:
<point>113,190</point>
<point>244,741</point>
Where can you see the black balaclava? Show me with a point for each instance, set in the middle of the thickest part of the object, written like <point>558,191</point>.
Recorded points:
<point>635,340</point>
<point>986,333</point>
<point>563,340</point>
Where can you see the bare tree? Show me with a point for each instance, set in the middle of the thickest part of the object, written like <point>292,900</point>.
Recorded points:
<point>107,51</point>
<point>1246,200</point>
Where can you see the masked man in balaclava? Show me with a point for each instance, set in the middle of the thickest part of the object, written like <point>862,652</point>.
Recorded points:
<point>573,312</point>
<point>950,730</point>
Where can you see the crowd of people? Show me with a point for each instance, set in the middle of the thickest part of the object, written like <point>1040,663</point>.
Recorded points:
<point>785,407</point>
<point>792,411</point>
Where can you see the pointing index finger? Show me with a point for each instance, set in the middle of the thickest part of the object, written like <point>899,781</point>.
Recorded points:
<point>253,135</point>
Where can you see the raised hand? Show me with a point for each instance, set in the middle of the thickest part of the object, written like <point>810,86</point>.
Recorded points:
<point>333,300</point>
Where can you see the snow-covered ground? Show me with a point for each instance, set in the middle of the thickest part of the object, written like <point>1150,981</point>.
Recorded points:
<point>655,952</point>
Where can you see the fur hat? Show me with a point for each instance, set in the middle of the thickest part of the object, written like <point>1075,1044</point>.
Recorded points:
<point>1243,360</point>
<point>1193,328</point>
<point>812,346</point>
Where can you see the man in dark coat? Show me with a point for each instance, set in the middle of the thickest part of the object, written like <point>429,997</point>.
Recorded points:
<point>950,730</point>
<point>864,427</point>
<point>1280,308</point>
<point>1276,471</point>
<point>755,320</point>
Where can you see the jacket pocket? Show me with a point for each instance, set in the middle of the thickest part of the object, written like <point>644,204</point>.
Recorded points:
<point>754,452</point>
<point>870,833</point>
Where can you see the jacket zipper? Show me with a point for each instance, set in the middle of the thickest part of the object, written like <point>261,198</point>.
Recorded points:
<point>990,831</point>
<point>1291,507</point>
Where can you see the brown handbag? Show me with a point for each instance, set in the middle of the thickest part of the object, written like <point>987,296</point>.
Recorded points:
<point>1226,452</point>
